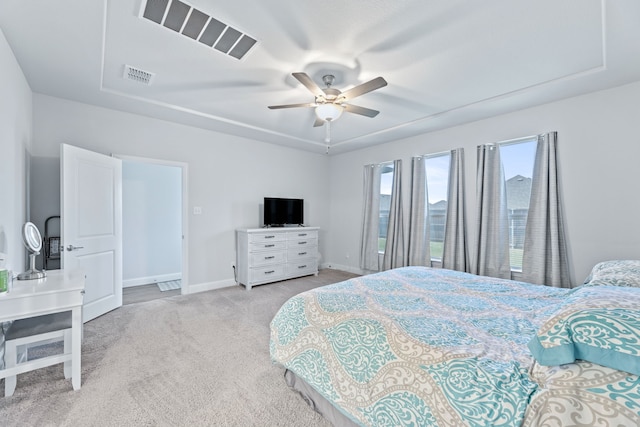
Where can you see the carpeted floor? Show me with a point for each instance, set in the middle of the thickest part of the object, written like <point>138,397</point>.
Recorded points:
<point>197,360</point>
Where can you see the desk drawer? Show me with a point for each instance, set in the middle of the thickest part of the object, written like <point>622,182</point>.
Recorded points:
<point>302,243</point>
<point>267,246</point>
<point>271,273</point>
<point>302,267</point>
<point>267,257</point>
<point>302,234</point>
<point>294,254</point>
<point>266,237</point>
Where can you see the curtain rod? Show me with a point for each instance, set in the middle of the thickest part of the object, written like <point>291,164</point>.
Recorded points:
<point>380,164</point>
<point>513,140</point>
<point>440,153</point>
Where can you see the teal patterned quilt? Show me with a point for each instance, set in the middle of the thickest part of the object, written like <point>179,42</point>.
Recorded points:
<point>418,346</point>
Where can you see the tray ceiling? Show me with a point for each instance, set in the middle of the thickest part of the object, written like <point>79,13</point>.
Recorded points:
<point>218,65</point>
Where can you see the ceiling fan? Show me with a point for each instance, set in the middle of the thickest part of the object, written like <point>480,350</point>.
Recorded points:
<point>329,102</point>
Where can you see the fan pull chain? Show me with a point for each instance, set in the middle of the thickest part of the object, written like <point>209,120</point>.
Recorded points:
<point>327,135</point>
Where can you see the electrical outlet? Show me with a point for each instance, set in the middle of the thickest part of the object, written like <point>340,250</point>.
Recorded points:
<point>197,210</point>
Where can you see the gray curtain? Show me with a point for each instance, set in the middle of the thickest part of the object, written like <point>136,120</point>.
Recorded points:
<point>419,248</point>
<point>545,254</point>
<point>492,252</point>
<point>370,218</point>
<point>394,251</point>
<point>455,254</point>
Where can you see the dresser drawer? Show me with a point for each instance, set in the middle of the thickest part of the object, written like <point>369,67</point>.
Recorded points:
<point>294,254</point>
<point>303,243</point>
<point>266,237</point>
<point>302,234</point>
<point>302,267</point>
<point>267,273</point>
<point>267,246</point>
<point>267,257</point>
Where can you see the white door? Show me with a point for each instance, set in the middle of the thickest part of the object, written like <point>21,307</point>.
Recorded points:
<point>92,225</point>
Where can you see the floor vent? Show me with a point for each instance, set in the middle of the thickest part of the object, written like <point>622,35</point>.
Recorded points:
<point>198,26</point>
<point>138,75</point>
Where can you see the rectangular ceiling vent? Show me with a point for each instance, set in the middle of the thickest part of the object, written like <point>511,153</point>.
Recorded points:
<point>198,26</point>
<point>138,75</point>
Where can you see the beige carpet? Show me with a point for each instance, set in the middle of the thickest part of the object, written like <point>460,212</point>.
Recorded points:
<point>198,360</point>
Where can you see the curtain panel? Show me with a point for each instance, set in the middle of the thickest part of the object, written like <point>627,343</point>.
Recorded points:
<point>370,218</point>
<point>419,251</point>
<point>455,254</point>
<point>492,252</point>
<point>394,250</point>
<point>545,253</point>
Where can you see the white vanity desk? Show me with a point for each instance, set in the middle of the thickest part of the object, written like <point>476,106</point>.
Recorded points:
<point>60,291</point>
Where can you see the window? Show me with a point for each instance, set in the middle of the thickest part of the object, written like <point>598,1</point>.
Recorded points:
<point>386,184</point>
<point>517,161</point>
<point>437,169</point>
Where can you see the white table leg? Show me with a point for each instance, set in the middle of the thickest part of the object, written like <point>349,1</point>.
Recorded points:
<point>76,346</point>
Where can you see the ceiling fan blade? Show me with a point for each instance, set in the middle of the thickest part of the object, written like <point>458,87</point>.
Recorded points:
<point>309,83</point>
<point>318,122</point>
<point>367,87</point>
<point>277,107</point>
<point>361,110</point>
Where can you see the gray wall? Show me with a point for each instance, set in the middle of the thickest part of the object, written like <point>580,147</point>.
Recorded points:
<point>151,223</point>
<point>599,151</point>
<point>15,143</point>
<point>15,146</point>
<point>228,176</point>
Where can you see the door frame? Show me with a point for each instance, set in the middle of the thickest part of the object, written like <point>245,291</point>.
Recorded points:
<point>184,167</point>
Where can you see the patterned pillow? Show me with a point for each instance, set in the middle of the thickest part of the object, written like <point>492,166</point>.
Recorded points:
<point>616,273</point>
<point>599,324</point>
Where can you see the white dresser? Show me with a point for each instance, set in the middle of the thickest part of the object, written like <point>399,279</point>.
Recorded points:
<point>267,255</point>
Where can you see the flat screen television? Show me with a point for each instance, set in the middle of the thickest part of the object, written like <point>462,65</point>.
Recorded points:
<point>279,212</point>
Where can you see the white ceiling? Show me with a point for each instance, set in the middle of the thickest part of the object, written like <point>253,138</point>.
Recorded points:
<point>446,62</point>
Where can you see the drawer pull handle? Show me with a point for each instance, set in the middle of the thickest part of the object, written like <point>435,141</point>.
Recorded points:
<point>269,237</point>
<point>302,243</point>
<point>302,253</point>
<point>302,266</point>
<point>302,234</point>
<point>269,257</point>
<point>269,272</point>
<point>269,246</point>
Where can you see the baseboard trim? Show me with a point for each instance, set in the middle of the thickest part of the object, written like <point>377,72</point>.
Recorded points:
<point>346,268</point>
<point>208,286</point>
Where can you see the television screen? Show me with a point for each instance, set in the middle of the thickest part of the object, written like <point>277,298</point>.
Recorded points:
<point>280,212</point>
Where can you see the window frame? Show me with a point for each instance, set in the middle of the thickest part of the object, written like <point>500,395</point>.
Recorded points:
<point>383,239</point>
<point>515,270</point>
<point>427,157</point>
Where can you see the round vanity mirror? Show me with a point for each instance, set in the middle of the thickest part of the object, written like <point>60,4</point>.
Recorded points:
<point>32,238</point>
<point>33,242</point>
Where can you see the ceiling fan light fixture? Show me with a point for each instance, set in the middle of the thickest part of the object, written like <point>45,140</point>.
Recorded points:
<point>329,112</point>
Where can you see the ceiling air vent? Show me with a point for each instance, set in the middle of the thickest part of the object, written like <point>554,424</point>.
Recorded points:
<point>182,18</point>
<point>138,75</point>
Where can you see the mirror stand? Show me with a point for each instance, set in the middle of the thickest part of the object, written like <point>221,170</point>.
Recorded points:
<point>32,273</point>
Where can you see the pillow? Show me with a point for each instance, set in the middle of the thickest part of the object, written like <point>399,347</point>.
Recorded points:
<point>616,273</point>
<point>599,324</point>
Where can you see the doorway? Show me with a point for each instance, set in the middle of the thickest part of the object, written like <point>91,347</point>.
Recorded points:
<point>154,229</point>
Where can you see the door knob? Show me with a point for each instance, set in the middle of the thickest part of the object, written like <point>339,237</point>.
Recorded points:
<point>73,248</point>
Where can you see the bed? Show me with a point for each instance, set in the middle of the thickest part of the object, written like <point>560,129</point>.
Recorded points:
<point>420,346</point>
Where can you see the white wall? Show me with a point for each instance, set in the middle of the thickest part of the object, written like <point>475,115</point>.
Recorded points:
<point>15,145</point>
<point>151,223</point>
<point>599,155</point>
<point>228,176</point>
